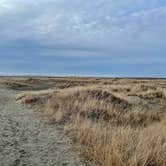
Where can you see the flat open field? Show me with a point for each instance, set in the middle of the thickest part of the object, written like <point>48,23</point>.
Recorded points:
<point>82,121</point>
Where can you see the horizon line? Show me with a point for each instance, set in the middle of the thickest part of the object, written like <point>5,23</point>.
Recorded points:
<point>78,75</point>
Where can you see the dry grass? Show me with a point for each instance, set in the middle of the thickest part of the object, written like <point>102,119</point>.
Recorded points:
<point>120,146</point>
<point>14,84</point>
<point>42,83</point>
<point>116,122</point>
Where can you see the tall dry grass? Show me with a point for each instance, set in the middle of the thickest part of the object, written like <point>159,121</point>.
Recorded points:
<point>107,127</point>
<point>108,145</point>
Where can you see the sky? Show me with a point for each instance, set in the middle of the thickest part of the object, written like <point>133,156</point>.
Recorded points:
<point>114,38</point>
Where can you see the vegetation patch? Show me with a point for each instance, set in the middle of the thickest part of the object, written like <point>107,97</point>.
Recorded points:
<point>107,126</point>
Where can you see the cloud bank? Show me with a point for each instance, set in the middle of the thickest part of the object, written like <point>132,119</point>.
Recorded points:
<point>130,31</point>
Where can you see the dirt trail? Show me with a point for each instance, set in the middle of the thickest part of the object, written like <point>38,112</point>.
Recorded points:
<point>26,141</point>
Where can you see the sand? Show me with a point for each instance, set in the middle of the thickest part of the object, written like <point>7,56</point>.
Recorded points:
<point>26,141</point>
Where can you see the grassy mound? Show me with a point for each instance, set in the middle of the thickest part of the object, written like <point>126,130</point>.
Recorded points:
<point>111,129</point>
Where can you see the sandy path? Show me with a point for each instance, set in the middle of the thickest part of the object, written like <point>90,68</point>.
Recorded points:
<point>26,141</point>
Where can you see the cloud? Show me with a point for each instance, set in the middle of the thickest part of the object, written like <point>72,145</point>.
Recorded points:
<point>83,27</point>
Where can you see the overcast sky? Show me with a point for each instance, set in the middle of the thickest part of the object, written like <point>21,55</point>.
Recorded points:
<point>83,37</point>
